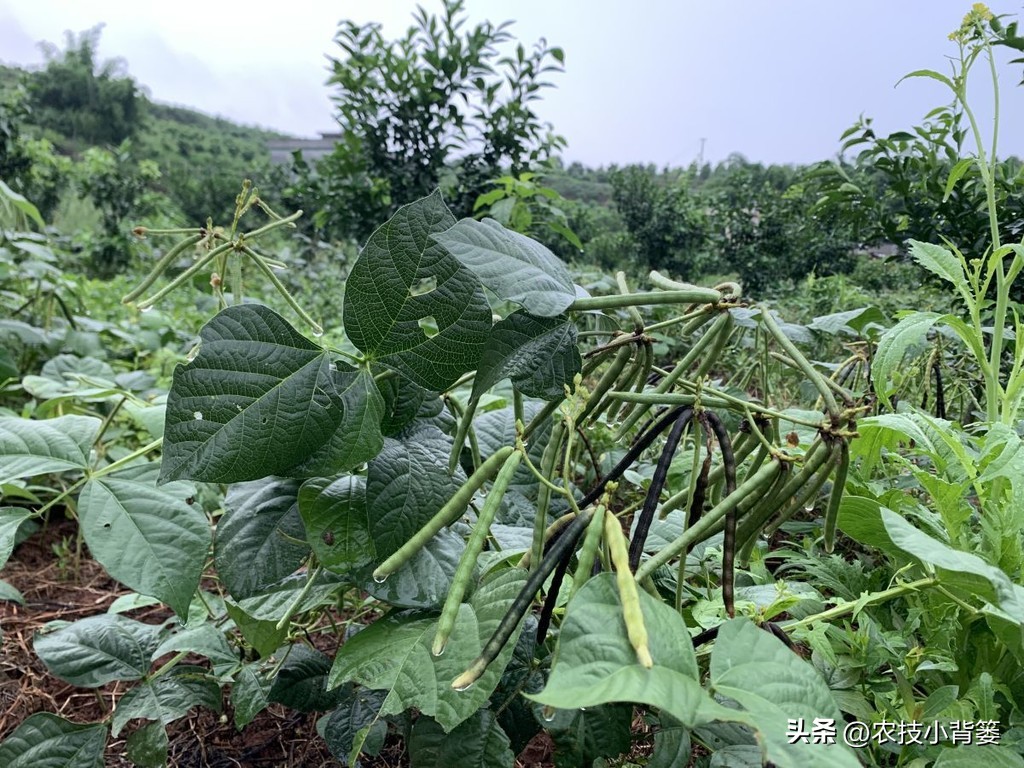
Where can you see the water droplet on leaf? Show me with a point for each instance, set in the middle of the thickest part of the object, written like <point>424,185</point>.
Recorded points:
<point>198,416</point>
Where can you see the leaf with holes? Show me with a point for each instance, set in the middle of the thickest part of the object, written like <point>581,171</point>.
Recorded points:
<point>512,265</point>
<point>148,538</point>
<point>412,306</point>
<point>260,399</point>
<point>539,354</point>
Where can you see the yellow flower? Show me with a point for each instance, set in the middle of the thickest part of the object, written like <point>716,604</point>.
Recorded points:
<point>978,14</point>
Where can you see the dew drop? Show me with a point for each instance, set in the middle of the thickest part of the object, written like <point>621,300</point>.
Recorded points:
<point>332,367</point>
<point>380,579</point>
<point>318,332</point>
<point>461,688</point>
<point>238,407</point>
<point>147,308</point>
<point>198,416</point>
<point>440,652</point>
<point>548,713</point>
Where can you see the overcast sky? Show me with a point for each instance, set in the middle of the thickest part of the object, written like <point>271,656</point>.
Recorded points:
<point>645,80</point>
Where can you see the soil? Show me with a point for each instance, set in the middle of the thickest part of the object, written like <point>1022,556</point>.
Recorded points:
<point>55,589</point>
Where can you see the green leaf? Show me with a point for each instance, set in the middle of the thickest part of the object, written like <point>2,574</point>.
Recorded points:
<point>260,536</point>
<point>148,538</point>
<point>167,698</point>
<point>860,518</point>
<point>955,174</point>
<point>962,570</point>
<point>47,741</point>
<point>931,73</point>
<point>98,649</point>
<point>773,684</point>
<point>672,746</point>
<point>402,279</point>
<point>249,694</point>
<point>359,436</point>
<point>972,755</point>
<point>478,742</point>
<point>301,682</point>
<point>513,266</point>
<point>272,603</point>
<point>893,345</point>
<point>407,483</point>
<point>584,736</point>
<point>355,725</point>
<point>393,655</point>
<point>29,447</point>
<point>939,261</point>
<point>596,664</point>
<point>147,747</point>
<point>11,519</point>
<point>851,322</point>
<point>335,518</point>
<point>22,204</point>
<point>539,354</point>
<point>10,593</point>
<point>262,634</point>
<point>260,399</point>
<point>8,366</point>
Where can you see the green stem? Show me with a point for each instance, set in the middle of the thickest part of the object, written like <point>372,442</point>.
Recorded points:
<point>294,607</point>
<point>850,606</point>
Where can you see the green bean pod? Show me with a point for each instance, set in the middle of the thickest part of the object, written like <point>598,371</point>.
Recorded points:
<point>475,545</point>
<point>632,614</point>
<point>838,483</point>
<point>465,422</point>
<point>646,357</point>
<point>165,261</point>
<point>740,500</point>
<point>445,516</point>
<point>631,378</point>
<point>698,349</point>
<point>548,464</point>
<point>598,402</point>
<point>588,552</point>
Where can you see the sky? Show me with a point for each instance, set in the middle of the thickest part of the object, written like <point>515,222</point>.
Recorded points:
<point>645,81</point>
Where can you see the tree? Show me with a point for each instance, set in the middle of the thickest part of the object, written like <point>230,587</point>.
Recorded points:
<point>441,106</point>
<point>77,96</point>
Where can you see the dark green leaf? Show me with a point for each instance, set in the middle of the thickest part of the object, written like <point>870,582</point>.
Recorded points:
<point>972,755</point>
<point>249,694</point>
<point>33,447</point>
<point>261,634</point>
<point>301,682</point>
<point>47,741</point>
<point>11,519</point>
<point>148,538</point>
<point>98,649</point>
<point>167,698</point>
<point>259,399</point>
<point>584,736</point>
<point>512,265</point>
<point>260,536</point>
<point>393,654</point>
<point>357,711</point>
<point>334,513</point>
<point>271,603</point>
<point>539,354</point>
<point>478,742</point>
<point>147,747</point>
<point>402,280</point>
